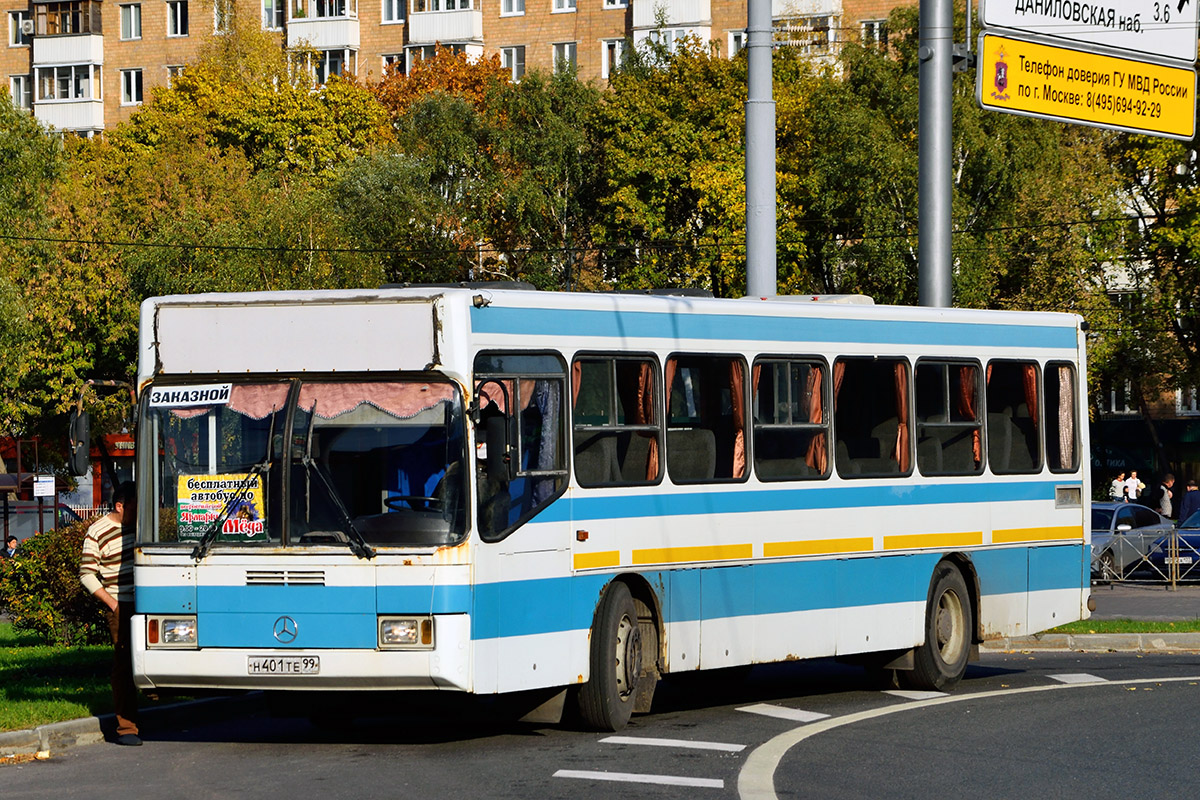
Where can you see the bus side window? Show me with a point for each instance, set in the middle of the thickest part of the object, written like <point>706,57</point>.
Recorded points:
<point>617,432</point>
<point>791,419</point>
<point>526,390</point>
<point>949,418</point>
<point>706,418</point>
<point>871,417</point>
<point>1062,413</point>
<point>1013,417</point>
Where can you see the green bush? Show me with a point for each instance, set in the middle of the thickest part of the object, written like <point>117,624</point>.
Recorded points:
<point>41,592</point>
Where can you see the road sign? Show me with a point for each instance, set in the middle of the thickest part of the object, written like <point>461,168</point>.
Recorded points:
<point>1036,79</point>
<point>43,487</point>
<point>1163,28</point>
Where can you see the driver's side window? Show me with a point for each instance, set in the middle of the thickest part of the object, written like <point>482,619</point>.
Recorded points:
<point>519,438</point>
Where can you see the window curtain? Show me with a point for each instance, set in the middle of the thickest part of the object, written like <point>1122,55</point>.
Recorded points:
<point>400,400</point>
<point>969,407</point>
<point>901,453</point>
<point>1029,380</point>
<point>737,393</point>
<point>1066,418</point>
<point>817,456</point>
<point>644,415</point>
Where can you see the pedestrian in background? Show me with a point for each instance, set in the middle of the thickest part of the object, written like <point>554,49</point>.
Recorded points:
<point>1117,492</point>
<point>1133,486</point>
<point>1190,502</point>
<point>1164,495</point>
<point>106,571</point>
<point>10,547</point>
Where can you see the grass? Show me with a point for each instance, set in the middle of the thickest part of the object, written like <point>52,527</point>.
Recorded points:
<point>1128,626</point>
<point>41,684</point>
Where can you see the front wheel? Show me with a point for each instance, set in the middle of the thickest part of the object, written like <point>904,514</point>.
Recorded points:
<point>606,700</point>
<point>940,663</point>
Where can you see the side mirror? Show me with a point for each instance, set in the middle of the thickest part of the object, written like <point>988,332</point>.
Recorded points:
<point>496,433</point>
<point>80,443</point>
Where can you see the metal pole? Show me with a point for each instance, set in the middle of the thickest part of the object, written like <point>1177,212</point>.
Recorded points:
<point>934,186</point>
<point>760,153</point>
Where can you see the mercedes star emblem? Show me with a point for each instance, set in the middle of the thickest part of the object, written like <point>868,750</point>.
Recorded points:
<point>286,630</point>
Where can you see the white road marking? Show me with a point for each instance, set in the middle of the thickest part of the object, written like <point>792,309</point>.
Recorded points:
<point>756,781</point>
<point>728,748</point>
<point>633,777</point>
<point>909,694</point>
<point>781,712</point>
<point>1078,677</point>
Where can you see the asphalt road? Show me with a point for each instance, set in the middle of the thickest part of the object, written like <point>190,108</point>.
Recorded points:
<point>1021,726</point>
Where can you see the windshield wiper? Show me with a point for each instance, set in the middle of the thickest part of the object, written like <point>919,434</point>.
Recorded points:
<point>257,470</point>
<point>358,544</point>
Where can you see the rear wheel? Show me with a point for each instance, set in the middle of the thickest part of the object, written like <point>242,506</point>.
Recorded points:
<point>941,662</point>
<point>606,700</point>
<point>1108,567</point>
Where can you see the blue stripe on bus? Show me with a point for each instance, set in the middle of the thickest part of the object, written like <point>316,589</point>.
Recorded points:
<point>166,599</point>
<point>737,499</point>
<point>625,325</point>
<point>329,616</point>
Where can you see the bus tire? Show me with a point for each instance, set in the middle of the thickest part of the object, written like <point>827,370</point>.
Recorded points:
<point>940,663</point>
<point>606,700</point>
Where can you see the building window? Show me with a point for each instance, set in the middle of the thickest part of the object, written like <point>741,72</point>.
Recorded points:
<point>70,82</point>
<point>393,62</point>
<point>874,32</point>
<point>737,42</point>
<point>20,26</point>
<point>131,21</point>
<point>21,89</point>
<point>1117,398</point>
<point>563,5</point>
<point>611,51</point>
<point>80,16</point>
<point>328,8</point>
<point>334,62</point>
<point>564,56</point>
<point>512,8</point>
<point>1187,401</point>
<point>272,15</point>
<point>222,16</point>
<point>669,38</point>
<point>173,71</point>
<point>131,87</point>
<point>513,60</point>
<point>393,11</point>
<point>616,3</point>
<point>177,18</point>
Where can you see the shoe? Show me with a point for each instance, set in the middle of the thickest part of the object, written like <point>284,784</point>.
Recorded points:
<point>129,740</point>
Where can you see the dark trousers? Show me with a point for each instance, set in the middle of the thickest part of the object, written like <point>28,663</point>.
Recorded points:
<point>124,692</point>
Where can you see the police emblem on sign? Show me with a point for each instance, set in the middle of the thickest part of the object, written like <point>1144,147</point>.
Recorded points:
<point>1001,79</point>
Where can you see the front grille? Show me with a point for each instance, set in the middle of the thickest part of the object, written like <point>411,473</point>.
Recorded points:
<point>285,577</point>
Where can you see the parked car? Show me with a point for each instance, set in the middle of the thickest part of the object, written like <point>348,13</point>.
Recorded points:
<point>1188,532</point>
<point>1122,535</point>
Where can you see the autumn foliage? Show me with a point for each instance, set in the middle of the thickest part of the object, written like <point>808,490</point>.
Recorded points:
<point>447,72</point>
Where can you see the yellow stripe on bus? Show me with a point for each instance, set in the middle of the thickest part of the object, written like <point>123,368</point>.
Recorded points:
<point>721,552</point>
<point>606,558</point>
<point>911,540</point>
<point>818,547</point>
<point>1009,535</point>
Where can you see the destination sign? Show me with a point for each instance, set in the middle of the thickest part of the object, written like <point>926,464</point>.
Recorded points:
<point>1071,85</point>
<point>1150,27</point>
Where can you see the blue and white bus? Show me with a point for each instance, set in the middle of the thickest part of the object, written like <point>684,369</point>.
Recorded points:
<point>493,490</point>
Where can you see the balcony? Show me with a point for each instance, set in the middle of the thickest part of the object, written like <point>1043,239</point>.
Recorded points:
<point>324,33</point>
<point>674,13</point>
<point>71,115</point>
<point>463,25</point>
<point>805,8</point>
<point>84,48</point>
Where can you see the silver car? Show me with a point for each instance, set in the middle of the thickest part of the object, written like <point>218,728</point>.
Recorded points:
<point>1122,535</point>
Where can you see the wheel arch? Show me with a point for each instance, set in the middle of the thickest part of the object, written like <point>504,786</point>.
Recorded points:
<point>650,617</point>
<point>966,567</point>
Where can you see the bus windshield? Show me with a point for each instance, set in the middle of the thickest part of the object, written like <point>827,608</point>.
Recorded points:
<point>380,460</point>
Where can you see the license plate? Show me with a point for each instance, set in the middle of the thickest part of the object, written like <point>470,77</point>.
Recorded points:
<point>1179,560</point>
<point>283,665</point>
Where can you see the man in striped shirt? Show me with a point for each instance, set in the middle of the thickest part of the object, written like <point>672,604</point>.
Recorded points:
<point>106,571</point>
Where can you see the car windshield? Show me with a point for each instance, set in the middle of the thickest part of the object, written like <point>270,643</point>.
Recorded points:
<point>380,460</point>
<point>1101,519</point>
<point>1191,522</point>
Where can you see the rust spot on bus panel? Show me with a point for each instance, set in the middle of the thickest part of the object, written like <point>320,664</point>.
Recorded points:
<point>457,554</point>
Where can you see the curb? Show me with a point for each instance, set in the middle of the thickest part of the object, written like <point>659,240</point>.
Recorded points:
<point>1097,643</point>
<point>58,736</point>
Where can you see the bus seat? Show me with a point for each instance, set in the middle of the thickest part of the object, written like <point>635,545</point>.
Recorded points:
<point>958,454</point>
<point>596,460</point>
<point>929,454</point>
<point>885,434</point>
<point>999,441</point>
<point>692,454</point>
<point>782,468</point>
<point>633,456</point>
<point>845,464</point>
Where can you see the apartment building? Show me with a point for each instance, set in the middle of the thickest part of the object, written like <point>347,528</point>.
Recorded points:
<point>83,65</point>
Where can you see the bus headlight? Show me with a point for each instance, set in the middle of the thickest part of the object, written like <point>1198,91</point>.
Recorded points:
<point>407,633</point>
<point>171,632</point>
